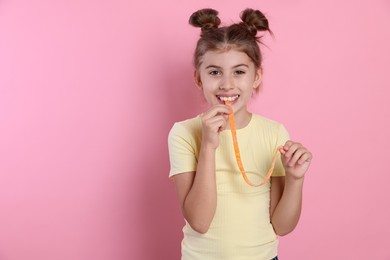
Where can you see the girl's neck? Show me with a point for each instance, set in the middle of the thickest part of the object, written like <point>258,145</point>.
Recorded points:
<point>242,119</point>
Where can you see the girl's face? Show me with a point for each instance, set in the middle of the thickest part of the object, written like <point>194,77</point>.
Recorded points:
<point>228,75</point>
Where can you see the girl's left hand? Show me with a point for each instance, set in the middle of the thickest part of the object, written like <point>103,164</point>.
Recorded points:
<point>296,159</point>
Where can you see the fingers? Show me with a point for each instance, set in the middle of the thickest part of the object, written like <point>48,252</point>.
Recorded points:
<point>215,119</point>
<point>217,123</point>
<point>217,110</point>
<point>217,115</point>
<point>306,157</point>
<point>295,153</point>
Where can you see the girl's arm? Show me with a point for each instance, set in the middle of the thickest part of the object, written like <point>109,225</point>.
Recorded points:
<point>286,192</point>
<point>197,191</point>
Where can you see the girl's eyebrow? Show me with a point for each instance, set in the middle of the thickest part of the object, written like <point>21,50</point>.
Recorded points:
<point>213,66</point>
<point>218,67</point>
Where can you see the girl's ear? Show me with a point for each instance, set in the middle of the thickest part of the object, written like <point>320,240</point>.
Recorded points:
<point>198,81</point>
<point>258,78</point>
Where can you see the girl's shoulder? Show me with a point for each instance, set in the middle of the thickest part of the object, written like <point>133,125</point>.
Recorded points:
<point>265,122</point>
<point>269,129</point>
<point>191,122</point>
<point>189,127</point>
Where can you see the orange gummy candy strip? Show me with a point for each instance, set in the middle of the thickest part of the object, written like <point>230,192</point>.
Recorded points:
<point>238,156</point>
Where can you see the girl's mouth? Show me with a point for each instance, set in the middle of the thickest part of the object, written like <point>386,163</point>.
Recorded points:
<point>232,99</point>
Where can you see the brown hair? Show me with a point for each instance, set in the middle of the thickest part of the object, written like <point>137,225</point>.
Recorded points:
<point>240,36</point>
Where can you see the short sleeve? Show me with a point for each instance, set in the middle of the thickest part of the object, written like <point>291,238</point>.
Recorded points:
<point>182,153</point>
<point>282,138</point>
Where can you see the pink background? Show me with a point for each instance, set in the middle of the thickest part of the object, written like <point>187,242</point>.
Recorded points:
<point>90,89</point>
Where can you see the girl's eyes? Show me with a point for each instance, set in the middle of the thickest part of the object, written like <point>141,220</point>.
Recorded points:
<point>239,72</point>
<point>217,72</point>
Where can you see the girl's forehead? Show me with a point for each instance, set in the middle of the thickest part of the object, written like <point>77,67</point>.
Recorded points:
<point>225,58</point>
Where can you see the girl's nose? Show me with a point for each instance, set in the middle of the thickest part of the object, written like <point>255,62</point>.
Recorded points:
<point>226,84</point>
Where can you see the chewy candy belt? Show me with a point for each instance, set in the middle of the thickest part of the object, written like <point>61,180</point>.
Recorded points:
<point>238,156</point>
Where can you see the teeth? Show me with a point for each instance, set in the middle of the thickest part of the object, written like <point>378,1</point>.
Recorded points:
<point>228,98</point>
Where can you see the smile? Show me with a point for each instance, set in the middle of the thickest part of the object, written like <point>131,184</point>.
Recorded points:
<point>225,98</point>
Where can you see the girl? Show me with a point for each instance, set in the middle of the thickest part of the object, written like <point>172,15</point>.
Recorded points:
<point>225,218</point>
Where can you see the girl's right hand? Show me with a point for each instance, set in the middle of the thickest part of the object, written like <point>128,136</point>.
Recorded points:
<point>214,121</point>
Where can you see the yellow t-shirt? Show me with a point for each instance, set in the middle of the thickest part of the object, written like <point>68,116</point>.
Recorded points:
<point>241,228</point>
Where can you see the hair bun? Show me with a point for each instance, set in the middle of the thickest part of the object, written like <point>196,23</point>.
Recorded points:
<point>255,21</point>
<point>205,19</point>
